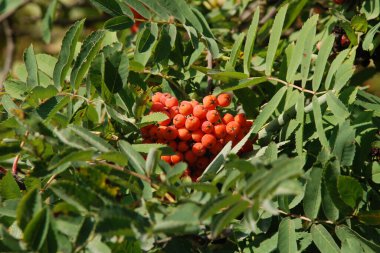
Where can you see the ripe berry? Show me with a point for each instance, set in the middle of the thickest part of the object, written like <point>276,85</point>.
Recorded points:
<point>199,149</point>
<point>153,132</point>
<point>208,140</point>
<point>190,157</point>
<point>220,131</point>
<point>184,134</point>
<point>227,118</point>
<point>197,135</point>
<point>156,98</point>
<point>166,158</point>
<point>185,108</point>
<point>344,41</point>
<point>173,145</point>
<point>233,128</point>
<point>192,123</point>
<point>145,131</point>
<point>339,1</point>
<point>167,121</point>
<point>157,107</point>
<point>210,102</point>
<point>224,99</point>
<point>179,120</point>
<point>176,158</point>
<point>241,119</point>
<point>161,131</point>
<point>182,146</point>
<point>164,97</point>
<point>173,111</point>
<point>200,111</point>
<point>202,163</point>
<point>213,116</point>
<point>170,102</point>
<point>216,148</point>
<point>171,133</point>
<point>207,127</point>
<point>194,103</point>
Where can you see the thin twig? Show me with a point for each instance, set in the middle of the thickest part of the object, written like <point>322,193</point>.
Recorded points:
<point>209,66</point>
<point>8,53</point>
<point>142,177</point>
<point>6,15</point>
<point>295,86</point>
<point>297,216</point>
<point>17,158</point>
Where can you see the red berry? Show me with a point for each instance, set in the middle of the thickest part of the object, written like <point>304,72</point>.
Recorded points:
<point>167,121</point>
<point>207,127</point>
<point>241,119</point>
<point>157,107</point>
<point>170,102</point>
<point>199,149</point>
<point>179,120</point>
<point>210,102</point>
<point>183,146</point>
<point>190,157</point>
<point>213,116</point>
<point>192,123</point>
<point>233,128</point>
<point>184,134</point>
<point>220,131</point>
<point>227,118</point>
<point>171,133</point>
<point>185,108</point>
<point>197,135</point>
<point>208,140</point>
<point>200,111</point>
<point>166,158</point>
<point>176,158</point>
<point>224,99</point>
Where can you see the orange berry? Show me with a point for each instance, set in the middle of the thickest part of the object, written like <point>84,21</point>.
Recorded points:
<point>173,111</point>
<point>179,120</point>
<point>208,140</point>
<point>220,130</point>
<point>185,108</point>
<point>207,127</point>
<point>224,99</point>
<point>227,118</point>
<point>190,157</point>
<point>202,163</point>
<point>210,102</point>
<point>157,107</point>
<point>170,102</point>
<point>241,119</point>
<point>176,158</point>
<point>216,148</point>
<point>166,158</point>
<point>194,103</point>
<point>171,133</point>
<point>192,123</point>
<point>161,131</point>
<point>184,134</point>
<point>156,98</point>
<point>164,97</point>
<point>182,146</point>
<point>213,116</point>
<point>200,111</point>
<point>248,124</point>
<point>233,128</point>
<point>199,149</point>
<point>197,135</point>
<point>167,121</point>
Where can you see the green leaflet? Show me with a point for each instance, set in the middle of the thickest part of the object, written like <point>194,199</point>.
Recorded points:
<point>275,39</point>
<point>67,54</point>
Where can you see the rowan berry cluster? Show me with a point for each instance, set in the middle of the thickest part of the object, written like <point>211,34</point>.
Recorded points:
<point>197,132</point>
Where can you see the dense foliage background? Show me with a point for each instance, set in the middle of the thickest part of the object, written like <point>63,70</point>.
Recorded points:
<point>75,88</point>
